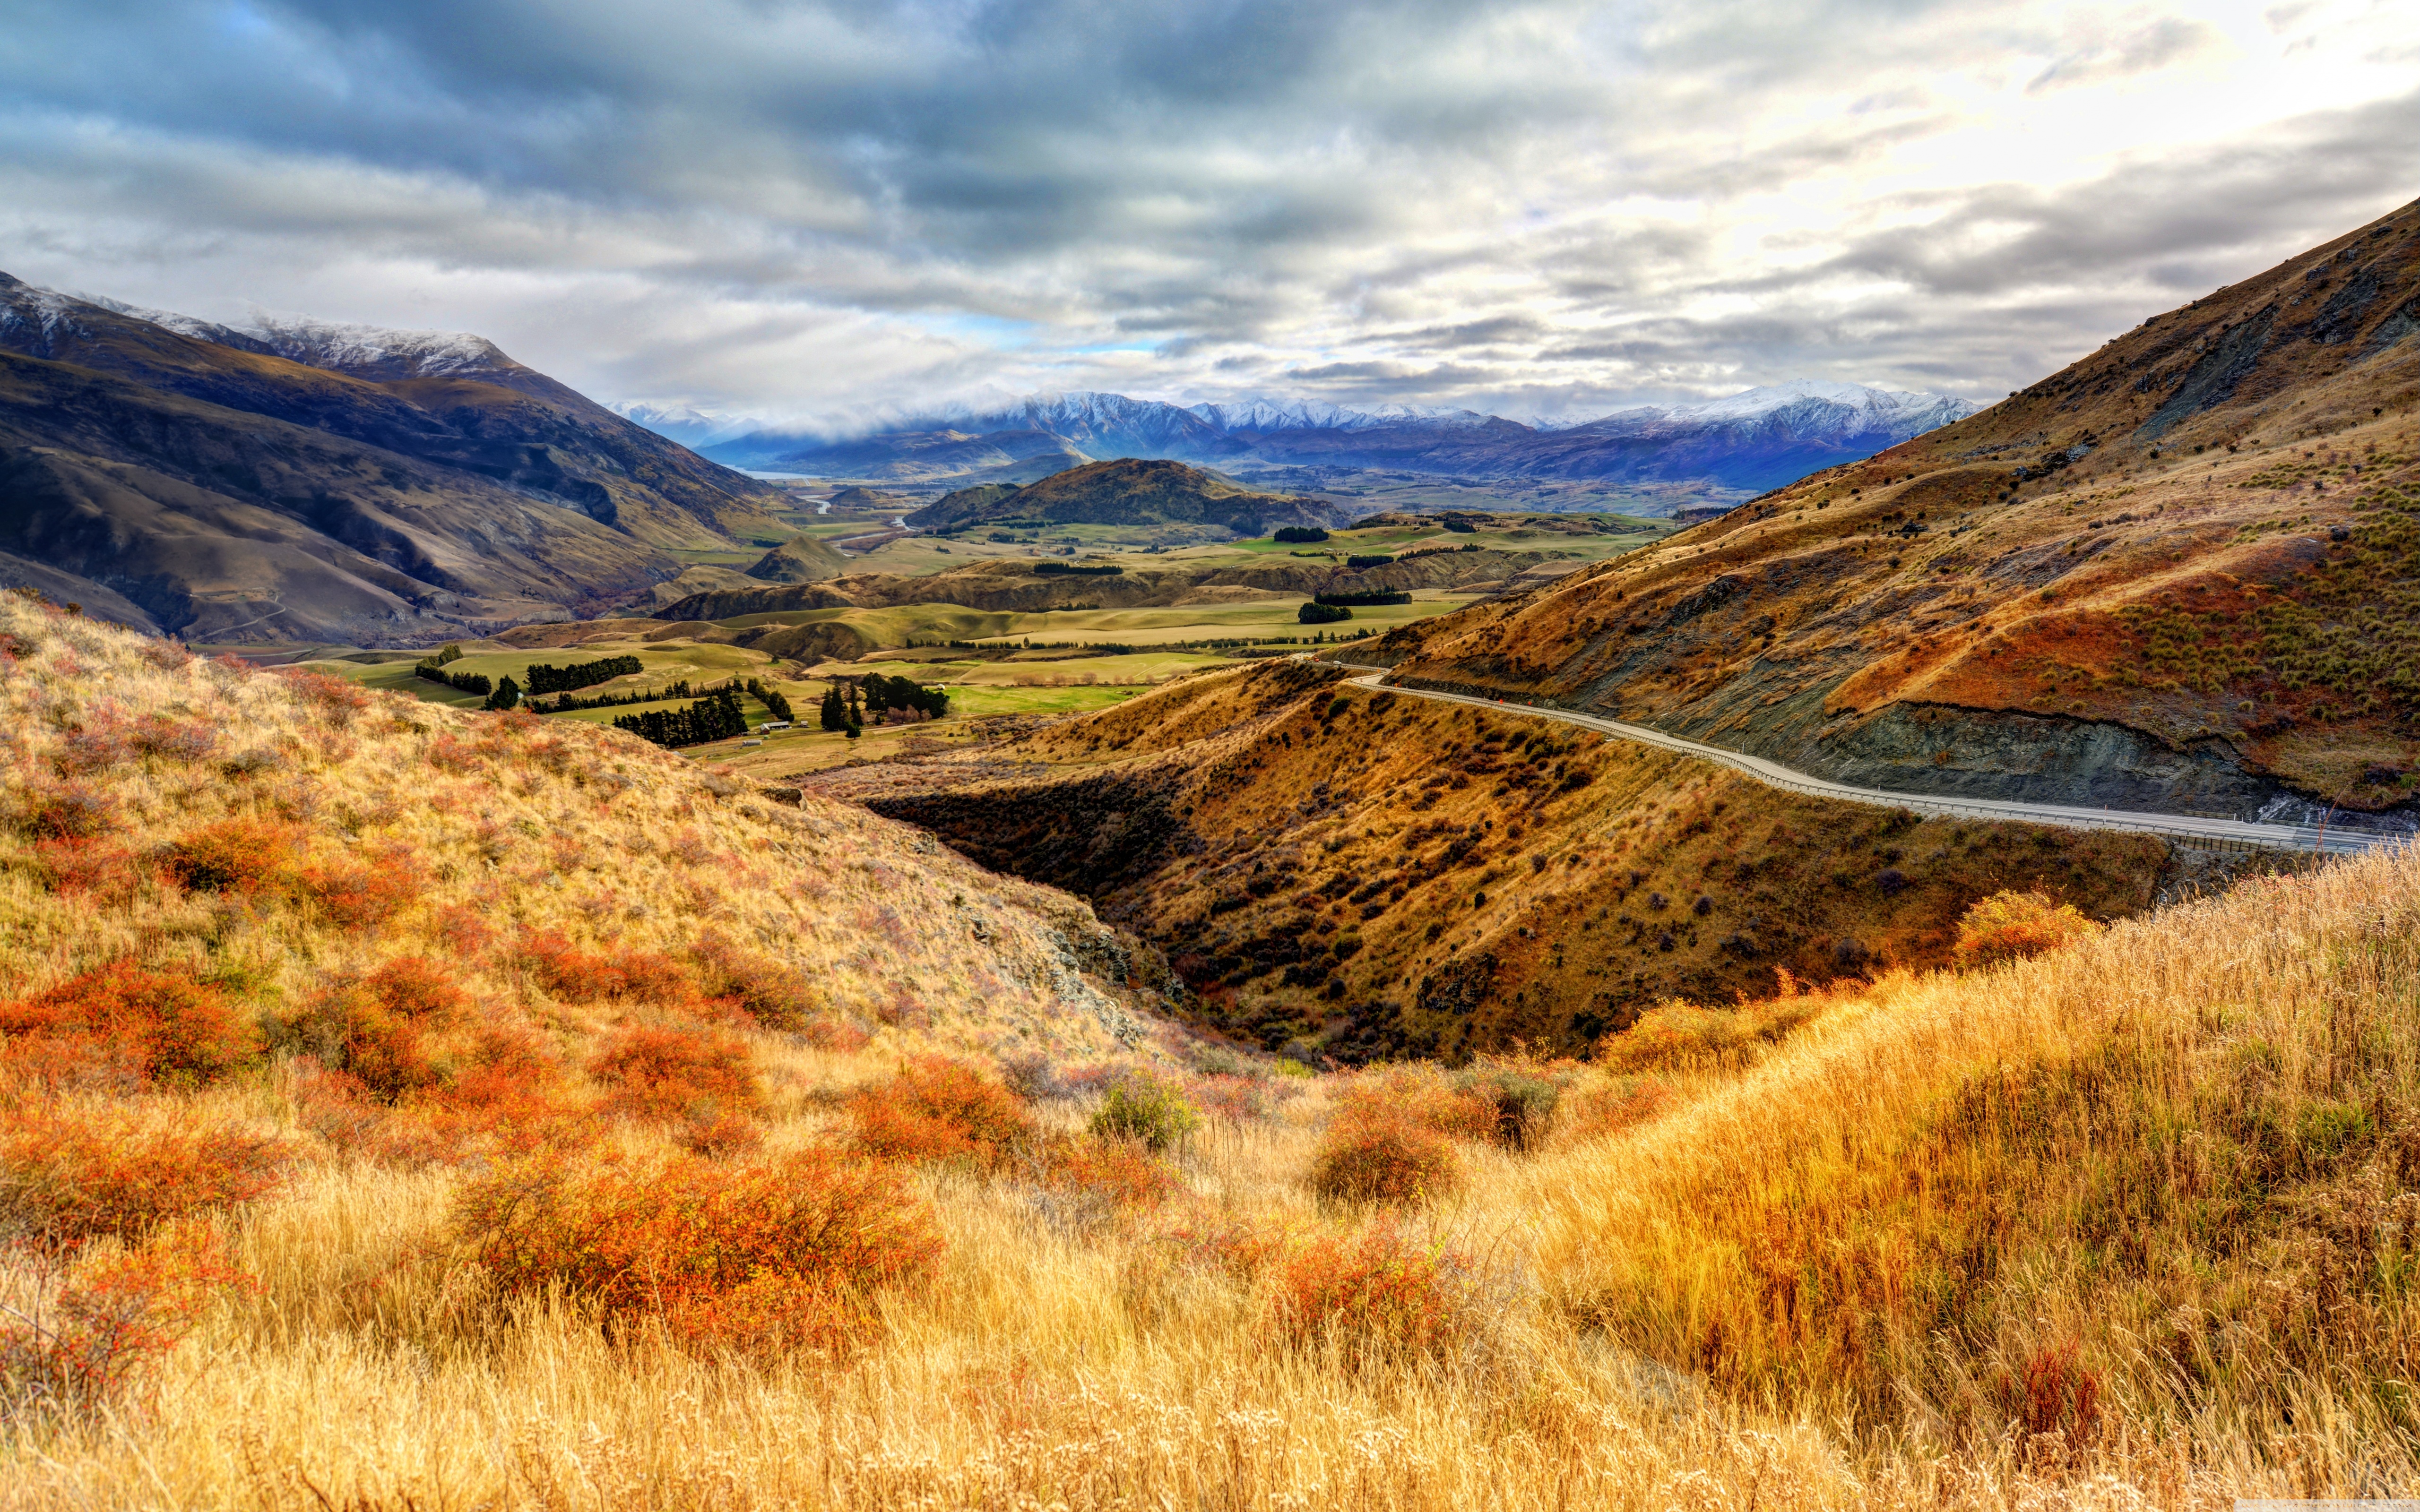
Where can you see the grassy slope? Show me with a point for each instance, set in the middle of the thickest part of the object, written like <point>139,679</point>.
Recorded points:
<point>2181,580</point>
<point>1399,876</point>
<point>1822,1276</point>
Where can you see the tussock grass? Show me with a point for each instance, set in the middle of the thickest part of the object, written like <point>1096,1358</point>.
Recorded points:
<point>1871,1258</point>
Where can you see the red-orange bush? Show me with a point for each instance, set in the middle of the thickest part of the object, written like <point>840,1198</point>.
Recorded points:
<point>417,988</point>
<point>237,856</point>
<point>67,1180</point>
<point>1122,1173</point>
<point>1375,1290</point>
<point>1366,1157</point>
<point>461,930</point>
<point>937,1109</point>
<point>79,868</point>
<point>118,1024</point>
<point>1420,1095</point>
<point>1623,1103</point>
<point>2010,926</point>
<point>769,1255</point>
<point>362,897</point>
<point>70,811</point>
<point>657,1073</point>
<point>577,976</point>
<point>332,697</point>
<point>89,1342</point>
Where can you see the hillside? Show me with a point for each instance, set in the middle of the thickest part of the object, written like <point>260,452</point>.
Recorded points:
<point>230,489</point>
<point>2179,573</point>
<point>564,1108</point>
<point>1015,584</point>
<point>1123,492</point>
<point>801,559</point>
<point>1370,876</point>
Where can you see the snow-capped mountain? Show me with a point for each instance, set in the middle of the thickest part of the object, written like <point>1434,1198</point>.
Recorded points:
<point>365,351</point>
<point>689,427</point>
<point>1756,438</point>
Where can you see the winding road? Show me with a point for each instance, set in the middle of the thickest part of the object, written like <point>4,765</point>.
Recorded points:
<point>2222,832</point>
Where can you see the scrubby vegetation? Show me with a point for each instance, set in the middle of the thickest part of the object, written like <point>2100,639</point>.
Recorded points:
<point>660,1145</point>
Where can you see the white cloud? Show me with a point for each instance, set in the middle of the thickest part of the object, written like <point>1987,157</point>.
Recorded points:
<point>833,209</point>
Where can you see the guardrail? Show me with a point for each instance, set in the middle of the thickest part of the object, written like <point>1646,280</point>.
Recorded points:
<point>2212,834</point>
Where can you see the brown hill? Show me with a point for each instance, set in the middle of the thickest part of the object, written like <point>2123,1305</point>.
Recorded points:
<point>228,491</point>
<point>1380,876</point>
<point>801,559</point>
<point>1010,584</point>
<point>2183,573</point>
<point>1124,492</point>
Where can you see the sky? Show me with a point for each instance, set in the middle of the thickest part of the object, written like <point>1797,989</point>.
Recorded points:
<point>836,214</point>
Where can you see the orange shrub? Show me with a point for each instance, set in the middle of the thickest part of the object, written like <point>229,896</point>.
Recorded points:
<point>347,1029</point>
<point>1366,1157</point>
<point>1623,1103</point>
<point>774,995</point>
<point>417,988</point>
<point>577,976</point>
<point>126,1027</point>
<point>461,930</point>
<point>111,873</point>
<point>72,810</point>
<point>2010,926</point>
<point>662,1073</point>
<point>362,897</point>
<point>1120,1173</point>
<point>335,699</point>
<point>87,1343</point>
<point>770,1254</point>
<point>1420,1095</point>
<point>66,1181</point>
<point>1376,1290</point>
<point>937,1109</point>
<point>237,856</point>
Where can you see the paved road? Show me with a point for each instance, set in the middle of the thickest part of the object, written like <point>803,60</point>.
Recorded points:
<point>2176,826</point>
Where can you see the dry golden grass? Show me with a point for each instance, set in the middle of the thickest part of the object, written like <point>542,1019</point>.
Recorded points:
<point>1069,1355</point>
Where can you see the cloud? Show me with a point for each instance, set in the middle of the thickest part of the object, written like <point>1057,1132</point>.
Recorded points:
<point>817,209</point>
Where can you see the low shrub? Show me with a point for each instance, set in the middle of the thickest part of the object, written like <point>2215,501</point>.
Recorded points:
<point>1145,1109</point>
<point>1375,1292</point>
<point>85,867</point>
<point>577,976</point>
<point>1523,1101</point>
<point>67,812</point>
<point>332,698</point>
<point>769,1256</point>
<point>658,1073</point>
<point>1119,1173</point>
<point>1383,1158</point>
<point>1424,1096</point>
<point>1620,1104</point>
<point>362,897</point>
<point>87,1343</point>
<point>235,856</point>
<point>775,994</point>
<point>119,1026</point>
<point>386,1054</point>
<point>67,1180</point>
<point>1676,1034</point>
<point>2011,926</point>
<point>937,1109</point>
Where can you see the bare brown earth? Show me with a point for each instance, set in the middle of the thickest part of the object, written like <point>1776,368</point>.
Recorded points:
<point>2182,574</point>
<point>1376,875</point>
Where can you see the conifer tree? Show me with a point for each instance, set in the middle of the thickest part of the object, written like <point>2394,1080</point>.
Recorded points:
<point>508,694</point>
<point>835,712</point>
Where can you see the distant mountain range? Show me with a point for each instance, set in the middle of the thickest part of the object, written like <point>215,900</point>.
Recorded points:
<point>297,480</point>
<point>1760,439</point>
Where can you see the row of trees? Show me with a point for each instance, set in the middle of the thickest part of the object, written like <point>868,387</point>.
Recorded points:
<point>544,678</point>
<point>716,717</point>
<point>850,701</point>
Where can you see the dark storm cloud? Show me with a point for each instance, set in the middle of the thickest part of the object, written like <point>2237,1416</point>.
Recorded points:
<point>838,205</point>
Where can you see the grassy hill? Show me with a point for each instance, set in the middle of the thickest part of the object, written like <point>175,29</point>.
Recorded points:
<point>2177,572</point>
<point>233,494</point>
<point>401,1106</point>
<point>1380,876</point>
<point>1127,491</point>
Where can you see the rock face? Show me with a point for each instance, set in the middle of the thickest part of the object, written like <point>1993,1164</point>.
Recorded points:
<point>2181,575</point>
<point>378,489</point>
